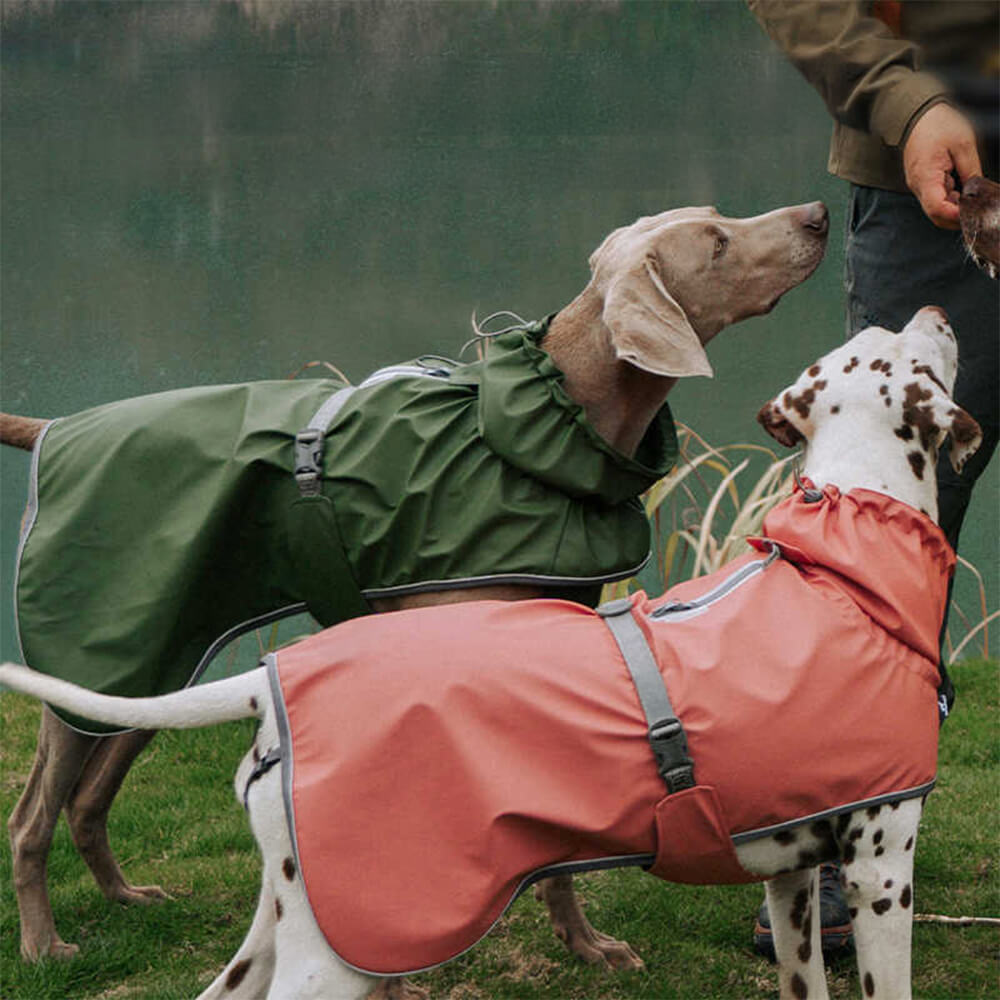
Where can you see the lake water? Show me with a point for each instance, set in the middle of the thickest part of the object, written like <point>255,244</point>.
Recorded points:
<point>218,191</point>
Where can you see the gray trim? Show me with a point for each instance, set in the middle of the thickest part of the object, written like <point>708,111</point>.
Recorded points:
<point>28,522</point>
<point>678,611</point>
<point>270,664</point>
<point>878,800</point>
<point>514,578</point>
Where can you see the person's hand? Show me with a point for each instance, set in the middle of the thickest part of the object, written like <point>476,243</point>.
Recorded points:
<point>941,141</point>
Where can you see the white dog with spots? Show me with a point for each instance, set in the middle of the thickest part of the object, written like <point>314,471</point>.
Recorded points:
<point>870,415</point>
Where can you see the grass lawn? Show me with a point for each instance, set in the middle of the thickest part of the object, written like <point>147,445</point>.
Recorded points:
<point>177,824</point>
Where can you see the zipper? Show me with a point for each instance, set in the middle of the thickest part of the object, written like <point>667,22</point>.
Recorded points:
<point>678,610</point>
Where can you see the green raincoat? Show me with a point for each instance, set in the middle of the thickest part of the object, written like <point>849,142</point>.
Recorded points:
<point>160,527</point>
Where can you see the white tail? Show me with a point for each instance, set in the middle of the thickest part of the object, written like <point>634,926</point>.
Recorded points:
<point>239,697</point>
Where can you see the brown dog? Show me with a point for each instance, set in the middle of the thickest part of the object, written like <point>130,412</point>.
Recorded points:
<point>660,290</point>
<point>979,211</point>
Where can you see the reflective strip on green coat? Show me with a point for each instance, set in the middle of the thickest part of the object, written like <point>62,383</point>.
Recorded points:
<point>159,524</point>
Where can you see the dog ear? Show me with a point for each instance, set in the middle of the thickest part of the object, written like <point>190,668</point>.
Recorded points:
<point>935,417</point>
<point>774,418</point>
<point>648,327</point>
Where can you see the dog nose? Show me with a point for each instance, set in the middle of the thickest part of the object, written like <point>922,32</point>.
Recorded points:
<point>973,188</point>
<point>817,218</point>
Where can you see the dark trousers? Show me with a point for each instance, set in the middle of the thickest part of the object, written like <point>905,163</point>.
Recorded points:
<point>896,262</point>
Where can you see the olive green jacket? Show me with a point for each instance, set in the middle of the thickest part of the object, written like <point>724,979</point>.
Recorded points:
<point>160,526</point>
<point>879,67</point>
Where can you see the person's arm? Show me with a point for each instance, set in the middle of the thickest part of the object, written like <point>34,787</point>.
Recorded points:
<point>870,80</point>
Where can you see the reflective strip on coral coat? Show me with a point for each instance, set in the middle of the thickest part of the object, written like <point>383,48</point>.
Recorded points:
<point>437,761</point>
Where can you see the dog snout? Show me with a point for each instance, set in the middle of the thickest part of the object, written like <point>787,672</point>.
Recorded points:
<point>934,313</point>
<point>973,189</point>
<point>816,218</point>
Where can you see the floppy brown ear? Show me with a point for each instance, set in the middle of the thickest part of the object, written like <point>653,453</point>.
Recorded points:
<point>774,419</point>
<point>935,417</point>
<point>648,327</point>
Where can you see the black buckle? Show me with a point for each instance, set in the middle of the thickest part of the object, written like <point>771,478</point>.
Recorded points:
<point>308,460</point>
<point>669,746</point>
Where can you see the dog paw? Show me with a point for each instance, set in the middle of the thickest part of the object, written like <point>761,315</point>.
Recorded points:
<point>398,989</point>
<point>142,895</point>
<point>56,948</point>
<point>596,948</point>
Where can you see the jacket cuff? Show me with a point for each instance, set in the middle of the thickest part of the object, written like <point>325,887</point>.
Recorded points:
<point>898,109</point>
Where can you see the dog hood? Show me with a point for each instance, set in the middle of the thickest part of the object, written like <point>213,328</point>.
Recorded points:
<point>436,762</point>
<point>161,527</point>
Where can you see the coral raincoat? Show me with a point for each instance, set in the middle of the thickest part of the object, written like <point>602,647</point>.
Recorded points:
<point>438,761</point>
<point>159,527</point>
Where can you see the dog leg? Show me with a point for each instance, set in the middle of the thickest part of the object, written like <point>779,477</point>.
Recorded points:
<point>792,903</point>
<point>575,931</point>
<point>878,884</point>
<point>398,989</point>
<point>250,971</point>
<point>60,756</point>
<point>87,814</point>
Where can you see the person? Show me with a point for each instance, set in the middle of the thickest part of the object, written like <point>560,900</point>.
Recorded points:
<point>914,93</point>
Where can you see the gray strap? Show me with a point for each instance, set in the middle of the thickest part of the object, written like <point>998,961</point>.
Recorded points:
<point>309,443</point>
<point>666,734</point>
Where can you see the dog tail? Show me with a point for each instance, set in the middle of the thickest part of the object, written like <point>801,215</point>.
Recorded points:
<point>240,697</point>
<point>20,432</point>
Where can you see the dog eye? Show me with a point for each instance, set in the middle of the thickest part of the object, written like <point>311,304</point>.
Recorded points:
<point>721,244</point>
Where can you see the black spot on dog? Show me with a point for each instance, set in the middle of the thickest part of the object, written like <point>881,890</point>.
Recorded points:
<point>849,853</point>
<point>909,845</point>
<point>279,910</point>
<point>881,906</point>
<point>835,409</point>
<point>852,911</point>
<point>877,838</point>
<point>888,883</point>
<point>857,833</point>
<point>888,400</point>
<point>869,985</point>
<point>905,432</point>
<point>799,906</point>
<point>917,463</point>
<point>883,390</point>
<point>253,704</point>
<point>843,822</point>
<point>288,868</point>
<point>906,897</point>
<point>238,973</point>
<point>894,805</point>
<point>784,837</point>
<point>805,951</point>
<point>886,368</point>
<point>873,811</point>
<point>879,851</point>
<point>799,987</point>
<point>256,754</point>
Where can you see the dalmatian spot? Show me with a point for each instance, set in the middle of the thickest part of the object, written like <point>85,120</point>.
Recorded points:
<point>814,371</point>
<point>905,432</point>
<point>963,428</point>
<point>784,837</point>
<point>799,907</point>
<point>279,910</point>
<point>805,949</point>
<point>877,838</point>
<point>799,987</point>
<point>873,811</point>
<point>929,372</point>
<point>835,409</point>
<point>888,883</point>
<point>876,365</point>
<point>238,973</point>
<point>886,368</point>
<point>917,463</point>
<point>802,403</point>
<point>857,833</point>
<point>849,853</point>
<point>852,912</point>
<point>909,845</point>
<point>850,367</point>
<point>256,754</point>
<point>883,390</point>
<point>881,906</point>
<point>288,868</point>
<point>906,897</point>
<point>869,985</point>
<point>879,851</point>
<point>888,401</point>
<point>919,417</point>
<point>895,805</point>
<point>820,384</point>
<point>253,704</point>
<point>843,822</point>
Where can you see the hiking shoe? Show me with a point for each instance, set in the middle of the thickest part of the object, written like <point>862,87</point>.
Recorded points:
<point>835,921</point>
